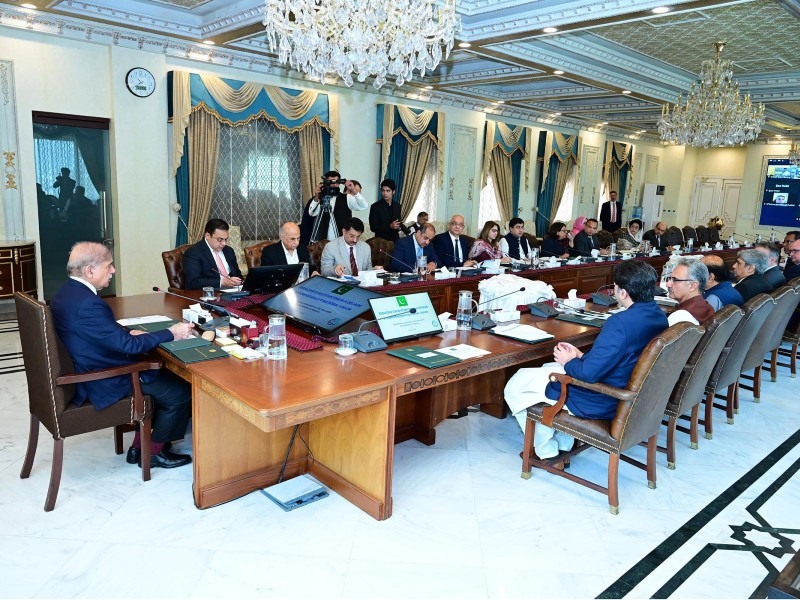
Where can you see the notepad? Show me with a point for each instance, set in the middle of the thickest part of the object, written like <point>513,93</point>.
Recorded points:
<point>149,323</point>
<point>424,356</point>
<point>524,333</point>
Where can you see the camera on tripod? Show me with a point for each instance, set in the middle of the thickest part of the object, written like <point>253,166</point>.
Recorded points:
<point>330,187</point>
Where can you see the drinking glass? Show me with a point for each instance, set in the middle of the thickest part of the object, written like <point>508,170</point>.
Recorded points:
<point>276,340</point>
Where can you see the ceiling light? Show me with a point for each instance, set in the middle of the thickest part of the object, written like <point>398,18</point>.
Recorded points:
<point>660,10</point>
<point>428,87</point>
<point>604,123</point>
<point>778,135</point>
<point>550,29</point>
<point>464,44</point>
<point>643,131</point>
<point>556,115</point>
<point>29,5</point>
<point>558,72</point>
<point>626,92</point>
<point>381,42</point>
<point>714,113</point>
<point>500,102</point>
<point>208,42</point>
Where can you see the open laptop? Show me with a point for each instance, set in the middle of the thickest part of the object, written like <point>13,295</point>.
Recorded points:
<point>271,279</point>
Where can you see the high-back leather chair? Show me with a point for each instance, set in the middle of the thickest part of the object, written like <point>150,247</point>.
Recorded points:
<point>381,251</point>
<point>51,387</point>
<point>173,265</point>
<point>619,233</point>
<point>790,336</point>
<point>713,233</point>
<point>769,338</point>
<point>689,232</point>
<point>639,412</point>
<point>252,254</point>
<point>606,238</point>
<point>703,234</point>
<point>725,375</point>
<point>675,236</point>
<point>533,241</point>
<point>315,252</point>
<point>690,390</point>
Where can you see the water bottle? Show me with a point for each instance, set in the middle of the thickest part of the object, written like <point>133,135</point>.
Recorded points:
<point>422,268</point>
<point>612,251</point>
<point>689,244</point>
<point>464,312</point>
<point>534,253</point>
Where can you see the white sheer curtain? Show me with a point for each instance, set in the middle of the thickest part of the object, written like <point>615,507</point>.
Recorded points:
<point>564,213</point>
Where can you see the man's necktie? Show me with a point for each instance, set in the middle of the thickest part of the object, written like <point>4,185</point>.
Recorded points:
<point>455,251</point>
<point>591,240</point>
<point>613,212</point>
<point>658,241</point>
<point>220,265</point>
<point>353,265</point>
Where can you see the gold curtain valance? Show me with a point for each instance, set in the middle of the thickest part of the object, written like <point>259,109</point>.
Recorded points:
<point>417,124</point>
<point>566,148</point>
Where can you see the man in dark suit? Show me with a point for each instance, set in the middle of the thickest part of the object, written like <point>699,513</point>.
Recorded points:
<point>288,251</point>
<point>587,240</point>
<point>792,268</point>
<point>657,237</point>
<point>210,262</point>
<point>451,248</point>
<point>611,359</point>
<point>422,218</point>
<point>773,273</point>
<point>385,214</point>
<point>611,213</point>
<point>94,340</point>
<point>408,249</point>
<point>748,270</point>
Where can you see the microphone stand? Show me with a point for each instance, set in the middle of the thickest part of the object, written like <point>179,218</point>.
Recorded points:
<point>366,341</point>
<point>482,321</point>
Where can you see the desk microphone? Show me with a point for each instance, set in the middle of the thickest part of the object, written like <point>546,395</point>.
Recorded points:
<point>581,311</point>
<point>413,269</point>
<point>603,299</point>
<point>205,305</point>
<point>366,341</point>
<point>481,321</point>
<point>239,285</point>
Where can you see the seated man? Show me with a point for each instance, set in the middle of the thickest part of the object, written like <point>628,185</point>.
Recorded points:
<point>719,290</point>
<point>686,285</point>
<point>514,244</point>
<point>94,340</point>
<point>749,273</point>
<point>347,255</point>
<point>422,218</point>
<point>288,251</point>
<point>210,262</point>
<point>408,249</point>
<point>772,273</point>
<point>587,240</point>
<point>792,268</point>
<point>657,237</point>
<point>451,248</point>
<point>790,237</point>
<point>611,359</point>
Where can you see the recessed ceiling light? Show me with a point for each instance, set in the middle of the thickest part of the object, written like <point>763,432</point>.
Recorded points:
<point>556,114</point>
<point>643,131</point>
<point>500,102</point>
<point>604,123</point>
<point>550,29</point>
<point>778,135</point>
<point>626,91</point>
<point>464,44</point>
<point>660,10</point>
<point>558,72</point>
<point>428,87</point>
<point>208,42</point>
<point>29,5</point>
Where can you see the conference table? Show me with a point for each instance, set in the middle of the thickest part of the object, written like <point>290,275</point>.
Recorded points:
<point>349,411</point>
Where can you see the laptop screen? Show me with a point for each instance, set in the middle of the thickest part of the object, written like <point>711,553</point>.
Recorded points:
<point>405,317</point>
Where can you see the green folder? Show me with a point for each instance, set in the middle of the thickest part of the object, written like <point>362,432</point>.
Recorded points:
<point>199,354</point>
<point>424,357</point>
<point>154,326</point>
<point>582,320</point>
<point>192,342</point>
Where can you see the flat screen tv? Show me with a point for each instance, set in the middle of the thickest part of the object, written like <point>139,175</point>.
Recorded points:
<point>780,193</point>
<point>321,303</point>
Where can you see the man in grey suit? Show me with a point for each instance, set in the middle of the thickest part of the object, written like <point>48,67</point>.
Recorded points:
<point>347,255</point>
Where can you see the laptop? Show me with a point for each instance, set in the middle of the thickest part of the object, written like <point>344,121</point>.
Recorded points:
<point>271,279</point>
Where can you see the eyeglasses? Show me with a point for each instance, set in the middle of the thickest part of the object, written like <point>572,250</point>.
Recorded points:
<point>676,280</point>
<point>456,224</point>
<point>562,231</point>
<point>795,250</point>
<point>221,240</point>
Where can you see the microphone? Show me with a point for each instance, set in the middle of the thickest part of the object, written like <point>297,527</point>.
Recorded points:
<point>413,269</point>
<point>205,305</point>
<point>603,299</point>
<point>481,321</point>
<point>581,311</point>
<point>239,285</point>
<point>366,341</point>
<point>536,209</point>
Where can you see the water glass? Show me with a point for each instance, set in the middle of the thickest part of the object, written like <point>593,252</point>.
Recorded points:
<point>303,273</point>
<point>612,250</point>
<point>422,267</point>
<point>276,338</point>
<point>464,311</point>
<point>208,294</point>
<point>346,344</point>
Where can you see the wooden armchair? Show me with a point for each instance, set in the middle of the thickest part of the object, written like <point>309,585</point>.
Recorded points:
<point>252,254</point>
<point>791,335</point>
<point>675,236</point>
<point>689,232</point>
<point>639,413</point>
<point>51,387</point>
<point>606,238</point>
<point>315,251</point>
<point>173,265</point>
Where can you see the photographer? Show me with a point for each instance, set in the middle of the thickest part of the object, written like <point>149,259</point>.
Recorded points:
<point>341,210</point>
<point>384,215</point>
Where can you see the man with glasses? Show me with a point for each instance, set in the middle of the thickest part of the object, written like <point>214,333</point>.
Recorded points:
<point>686,285</point>
<point>408,249</point>
<point>210,262</point>
<point>749,273</point>
<point>792,268</point>
<point>451,248</point>
<point>790,237</point>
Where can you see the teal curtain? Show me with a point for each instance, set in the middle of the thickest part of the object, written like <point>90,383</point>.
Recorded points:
<point>397,166</point>
<point>516,169</point>
<point>547,195</point>
<point>182,190</point>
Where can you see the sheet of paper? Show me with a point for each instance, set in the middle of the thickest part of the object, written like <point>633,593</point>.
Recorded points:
<point>141,320</point>
<point>528,333</point>
<point>463,351</point>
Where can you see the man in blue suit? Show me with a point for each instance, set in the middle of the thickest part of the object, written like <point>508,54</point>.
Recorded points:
<point>409,248</point>
<point>611,359</point>
<point>451,248</point>
<point>94,340</point>
<point>211,262</point>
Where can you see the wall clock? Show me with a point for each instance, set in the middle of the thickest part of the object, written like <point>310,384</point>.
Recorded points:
<point>140,82</point>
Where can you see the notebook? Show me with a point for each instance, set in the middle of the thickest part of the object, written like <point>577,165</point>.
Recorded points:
<point>424,357</point>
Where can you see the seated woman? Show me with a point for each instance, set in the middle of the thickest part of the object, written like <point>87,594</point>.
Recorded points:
<point>556,243</point>
<point>634,233</point>
<point>487,245</point>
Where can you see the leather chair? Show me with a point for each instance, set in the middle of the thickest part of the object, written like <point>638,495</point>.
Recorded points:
<point>381,251</point>
<point>315,252</point>
<point>689,232</point>
<point>703,235</point>
<point>533,241</point>
<point>639,413</point>
<point>252,254</point>
<point>173,265</point>
<point>471,240</point>
<point>619,233</point>
<point>606,238</point>
<point>713,233</point>
<point>51,387</point>
<point>725,375</point>
<point>791,336</point>
<point>675,236</point>
<point>689,392</point>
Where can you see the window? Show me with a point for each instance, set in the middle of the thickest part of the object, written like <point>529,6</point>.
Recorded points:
<point>51,155</point>
<point>426,199</point>
<point>564,213</point>
<point>258,179</point>
<point>488,209</point>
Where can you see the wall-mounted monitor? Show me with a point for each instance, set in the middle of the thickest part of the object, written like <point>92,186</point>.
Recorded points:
<point>780,193</point>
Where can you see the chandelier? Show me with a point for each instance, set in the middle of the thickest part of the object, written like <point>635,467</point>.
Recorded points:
<point>361,38</point>
<point>794,154</point>
<point>714,114</point>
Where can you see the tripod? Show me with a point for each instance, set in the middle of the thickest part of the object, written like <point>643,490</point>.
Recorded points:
<point>325,208</point>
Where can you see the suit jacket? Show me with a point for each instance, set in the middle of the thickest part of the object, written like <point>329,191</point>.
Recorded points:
<point>380,215</point>
<point>337,252</point>
<point>405,252</point>
<point>611,359</point>
<point>94,340</point>
<point>584,244</point>
<point>774,277</point>
<point>722,294</point>
<point>752,285</point>
<point>443,246</point>
<point>200,268</point>
<point>791,270</point>
<point>650,236</point>
<point>605,216</point>
<point>274,255</point>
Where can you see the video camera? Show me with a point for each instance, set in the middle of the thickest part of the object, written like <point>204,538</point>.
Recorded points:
<point>330,187</point>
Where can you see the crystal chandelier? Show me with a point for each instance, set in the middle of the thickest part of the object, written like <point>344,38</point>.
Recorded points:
<point>714,113</point>
<point>361,38</point>
<point>794,154</point>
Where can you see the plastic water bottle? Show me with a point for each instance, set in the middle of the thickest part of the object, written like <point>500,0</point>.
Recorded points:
<point>464,312</point>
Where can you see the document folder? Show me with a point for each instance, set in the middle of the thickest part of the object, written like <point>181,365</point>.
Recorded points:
<point>424,356</point>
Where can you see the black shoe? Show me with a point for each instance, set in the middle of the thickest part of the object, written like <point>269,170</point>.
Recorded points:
<point>134,456</point>
<point>169,460</point>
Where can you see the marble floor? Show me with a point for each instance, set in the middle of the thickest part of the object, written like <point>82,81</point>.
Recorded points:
<point>465,524</point>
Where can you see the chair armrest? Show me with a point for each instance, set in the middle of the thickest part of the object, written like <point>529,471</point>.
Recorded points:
<point>98,374</point>
<point>608,390</point>
<point>549,413</point>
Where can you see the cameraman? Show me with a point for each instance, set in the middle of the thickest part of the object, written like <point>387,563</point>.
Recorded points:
<point>342,206</point>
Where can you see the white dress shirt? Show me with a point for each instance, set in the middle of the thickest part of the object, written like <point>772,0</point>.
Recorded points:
<point>221,254</point>
<point>291,259</point>
<point>456,245</point>
<point>86,283</point>
<point>504,248</point>
<point>356,202</point>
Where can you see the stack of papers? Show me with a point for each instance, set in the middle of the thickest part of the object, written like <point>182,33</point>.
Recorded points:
<point>523,333</point>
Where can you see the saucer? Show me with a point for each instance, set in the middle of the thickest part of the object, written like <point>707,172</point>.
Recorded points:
<point>342,352</point>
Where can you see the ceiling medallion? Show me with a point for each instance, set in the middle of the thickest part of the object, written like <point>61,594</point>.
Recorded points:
<point>714,113</point>
<point>361,38</point>
<point>794,154</point>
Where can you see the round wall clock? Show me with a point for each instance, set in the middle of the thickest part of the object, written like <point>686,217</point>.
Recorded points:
<point>140,82</point>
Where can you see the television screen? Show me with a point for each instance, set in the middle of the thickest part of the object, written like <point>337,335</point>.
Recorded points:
<point>780,202</point>
<point>405,317</point>
<point>322,303</point>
